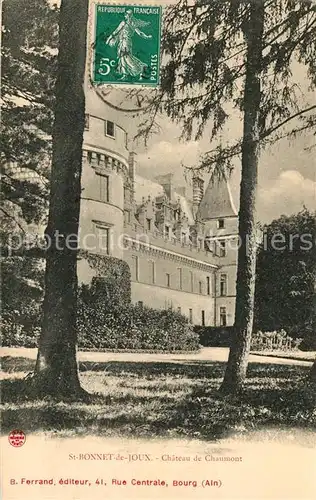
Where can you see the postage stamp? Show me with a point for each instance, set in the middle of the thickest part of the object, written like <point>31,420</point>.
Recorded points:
<point>127,45</point>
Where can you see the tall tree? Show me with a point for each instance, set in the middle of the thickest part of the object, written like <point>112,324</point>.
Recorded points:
<point>56,369</point>
<point>28,67</point>
<point>246,270</point>
<point>288,250</point>
<point>237,56</point>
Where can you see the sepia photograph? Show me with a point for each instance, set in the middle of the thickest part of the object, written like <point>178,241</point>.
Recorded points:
<point>158,255</point>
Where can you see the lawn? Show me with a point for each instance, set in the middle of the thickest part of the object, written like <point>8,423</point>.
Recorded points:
<point>162,399</point>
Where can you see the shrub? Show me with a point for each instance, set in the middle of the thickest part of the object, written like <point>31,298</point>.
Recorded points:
<point>106,318</point>
<point>21,296</point>
<point>277,340</point>
<point>112,280</point>
<point>307,333</point>
<point>214,336</point>
<point>132,327</point>
<point>17,335</point>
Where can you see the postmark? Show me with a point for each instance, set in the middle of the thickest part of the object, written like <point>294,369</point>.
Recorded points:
<point>17,438</point>
<point>126,49</point>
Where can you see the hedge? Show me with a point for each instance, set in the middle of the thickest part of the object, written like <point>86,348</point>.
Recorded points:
<point>130,327</point>
<point>108,321</point>
<point>214,336</point>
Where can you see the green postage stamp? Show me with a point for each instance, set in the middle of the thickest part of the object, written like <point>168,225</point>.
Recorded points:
<point>127,45</point>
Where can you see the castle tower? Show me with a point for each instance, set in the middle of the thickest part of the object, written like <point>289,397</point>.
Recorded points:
<point>217,201</point>
<point>105,172</point>
<point>218,212</point>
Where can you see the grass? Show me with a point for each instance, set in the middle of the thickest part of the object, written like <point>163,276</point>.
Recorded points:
<point>162,399</point>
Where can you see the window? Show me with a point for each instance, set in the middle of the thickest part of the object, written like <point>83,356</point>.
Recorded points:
<point>203,318</point>
<point>208,285</point>
<point>222,248</point>
<point>103,186</point>
<point>200,287</point>
<point>220,223</point>
<point>191,315</point>
<point>148,222</point>
<point>86,122</point>
<point>152,271</point>
<point>109,128</point>
<point>126,140</point>
<point>180,277</point>
<point>191,282</point>
<point>223,285</point>
<point>167,231</point>
<point>103,238</point>
<point>222,316</point>
<point>168,280</point>
<point>135,268</point>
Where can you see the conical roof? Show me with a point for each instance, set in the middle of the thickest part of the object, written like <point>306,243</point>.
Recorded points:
<point>217,201</point>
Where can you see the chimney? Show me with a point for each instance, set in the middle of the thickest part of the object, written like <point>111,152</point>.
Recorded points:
<point>166,182</point>
<point>198,192</point>
<point>132,165</point>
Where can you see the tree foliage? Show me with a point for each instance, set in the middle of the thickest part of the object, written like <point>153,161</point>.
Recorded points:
<point>30,34</point>
<point>286,273</point>
<point>204,67</point>
<point>22,290</point>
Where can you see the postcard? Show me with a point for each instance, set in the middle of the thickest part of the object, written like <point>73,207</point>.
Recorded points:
<point>158,249</point>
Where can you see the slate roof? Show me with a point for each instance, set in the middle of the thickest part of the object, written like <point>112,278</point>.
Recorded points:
<point>217,201</point>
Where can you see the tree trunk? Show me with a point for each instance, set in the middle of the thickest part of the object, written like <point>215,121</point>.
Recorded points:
<point>239,352</point>
<point>56,370</point>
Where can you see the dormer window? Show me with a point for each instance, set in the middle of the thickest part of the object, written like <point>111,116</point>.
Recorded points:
<point>109,128</point>
<point>221,223</point>
<point>222,248</point>
<point>148,222</point>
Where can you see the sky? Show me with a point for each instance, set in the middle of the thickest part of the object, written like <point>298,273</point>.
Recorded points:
<point>287,170</point>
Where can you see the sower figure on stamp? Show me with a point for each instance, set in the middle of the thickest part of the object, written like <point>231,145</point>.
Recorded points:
<point>128,64</point>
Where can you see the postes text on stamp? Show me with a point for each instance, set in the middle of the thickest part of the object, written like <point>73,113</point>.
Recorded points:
<point>127,45</point>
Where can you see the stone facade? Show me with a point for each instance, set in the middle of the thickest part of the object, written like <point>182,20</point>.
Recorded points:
<point>181,249</point>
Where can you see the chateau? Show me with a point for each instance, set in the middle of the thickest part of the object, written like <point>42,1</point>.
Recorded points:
<point>181,247</point>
